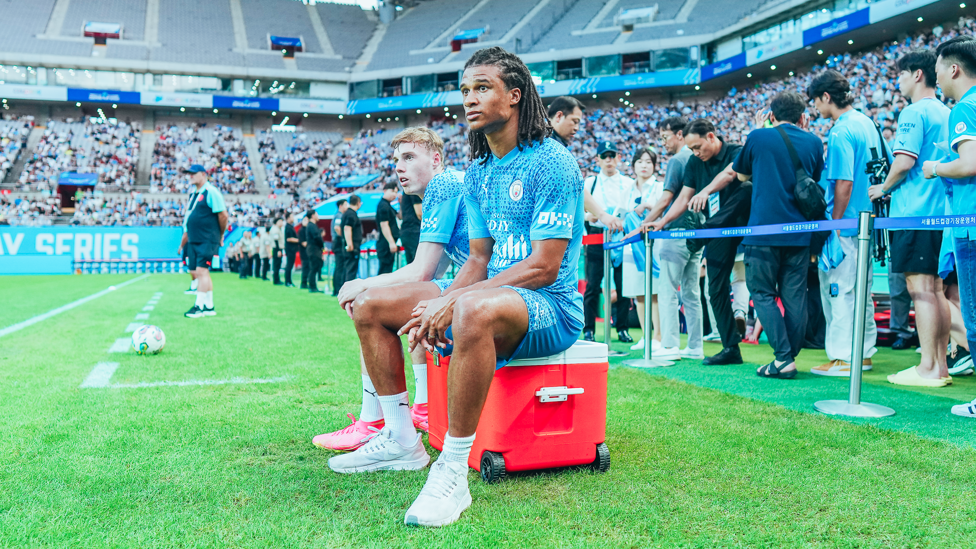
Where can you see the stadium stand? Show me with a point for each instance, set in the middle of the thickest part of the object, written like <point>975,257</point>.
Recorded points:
<point>292,158</point>
<point>220,149</point>
<point>29,212</point>
<point>263,19</point>
<point>13,137</point>
<point>349,22</point>
<point>109,149</point>
<point>196,32</point>
<point>130,14</point>
<point>413,30</point>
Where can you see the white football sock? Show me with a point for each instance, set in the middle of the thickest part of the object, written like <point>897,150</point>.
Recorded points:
<point>420,376</point>
<point>457,449</point>
<point>201,299</point>
<point>396,412</point>
<point>371,410</point>
<point>208,298</point>
<point>193,284</point>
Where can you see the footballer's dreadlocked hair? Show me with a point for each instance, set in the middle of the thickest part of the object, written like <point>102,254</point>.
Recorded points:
<point>533,124</point>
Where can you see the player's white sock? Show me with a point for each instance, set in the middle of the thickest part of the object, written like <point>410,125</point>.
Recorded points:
<point>371,410</point>
<point>193,284</point>
<point>396,412</point>
<point>457,449</point>
<point>201,299</point>
<point>420,376</point>
<point>208,299</point>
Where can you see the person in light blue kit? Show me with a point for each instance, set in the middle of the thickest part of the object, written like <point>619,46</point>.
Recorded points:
<point>516,295</point>
<point>915,253</point>
<point>955,71</point>
<point>849,146</point>
<point>381,305</point>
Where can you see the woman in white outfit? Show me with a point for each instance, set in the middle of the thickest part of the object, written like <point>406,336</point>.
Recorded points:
<point>646,191</point>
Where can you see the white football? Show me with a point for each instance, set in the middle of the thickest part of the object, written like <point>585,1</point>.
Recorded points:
<point>148,340</point>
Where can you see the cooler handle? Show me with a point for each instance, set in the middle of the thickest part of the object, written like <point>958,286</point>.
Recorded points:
<point>557,394</point>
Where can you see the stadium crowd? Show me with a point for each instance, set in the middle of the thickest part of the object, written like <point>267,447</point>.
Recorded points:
<point>29,212</point>
<point>108,148</point>
<point>288,169</point>
<point>14,131</point>
<point>222,153</point>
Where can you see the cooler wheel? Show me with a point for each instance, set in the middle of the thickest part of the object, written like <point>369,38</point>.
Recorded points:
<point>492,467</point>
<point>602,461</point>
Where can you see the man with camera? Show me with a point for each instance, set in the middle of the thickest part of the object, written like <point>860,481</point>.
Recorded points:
<point>776,265</point>
<point>849,151</point>
<point>915,253</point>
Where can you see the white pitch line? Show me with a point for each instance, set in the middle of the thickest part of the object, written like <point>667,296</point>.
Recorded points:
<point>142,316</point>
<point>100,375</point>
<point>133,327</point>
<point>121,345</point>
<point>148,308</point>
<point>192,382</point>
<point>31,321</point>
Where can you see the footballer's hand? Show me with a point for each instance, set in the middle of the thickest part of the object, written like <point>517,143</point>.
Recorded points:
<point>698,202</point>
<point>612,222</point>
<point>349,292</point>
<point>928,168</point>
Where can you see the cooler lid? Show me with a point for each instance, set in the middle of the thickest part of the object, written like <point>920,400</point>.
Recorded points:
<point>582,352</point>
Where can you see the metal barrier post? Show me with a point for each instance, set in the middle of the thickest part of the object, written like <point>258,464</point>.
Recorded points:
<point>607,306</point>
<point>647,361</point>
<point>853,407</point>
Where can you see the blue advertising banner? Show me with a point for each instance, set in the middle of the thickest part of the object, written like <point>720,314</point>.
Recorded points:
<point>856,20</point>
<point>404,102</point>
<point>30,249</point>
<point>724,66</point>
<point>253,103</point>
<point>104,96</point>
<point>660,79</point>
<point>78,179</point>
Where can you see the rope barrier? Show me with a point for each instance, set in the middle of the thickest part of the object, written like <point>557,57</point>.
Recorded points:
<point>919,223</point>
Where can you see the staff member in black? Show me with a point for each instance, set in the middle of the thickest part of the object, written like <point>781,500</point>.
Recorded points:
<point>291,248</point>
<point>386,245</point>
<point>314,250</point>
<point>303,252</point>
<point>411,212</point>
<point>709,184</point>
<point>338,247</point>
<point>352,232</point>
<point>205,225</point>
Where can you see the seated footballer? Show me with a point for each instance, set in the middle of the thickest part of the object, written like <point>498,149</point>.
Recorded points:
<point>515,297</point>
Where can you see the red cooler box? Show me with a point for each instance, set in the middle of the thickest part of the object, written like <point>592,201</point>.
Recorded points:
<point>540,413</point>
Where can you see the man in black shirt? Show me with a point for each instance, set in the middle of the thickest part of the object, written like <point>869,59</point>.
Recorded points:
<point>338,248</point>
<point>291,248</point>
<point>709,184</point>
<point>386,246</point>
<point>565,114</point>
<point>411,211</point>
<point>314,250</point>
<point>206,221</point>
<point>303,252</point>
<point>352,233</point>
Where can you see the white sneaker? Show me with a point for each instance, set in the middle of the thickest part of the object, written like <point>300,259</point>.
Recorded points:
<point>382,453</point>
<point>444,497</point>
<point>965,410</point>
<point>656,345</point>
<point>962,368</point>
<point>639,346</point>
<point>698,354</point>
<point>667,353</point>
<point>190,291</point>
<point>713,337</point>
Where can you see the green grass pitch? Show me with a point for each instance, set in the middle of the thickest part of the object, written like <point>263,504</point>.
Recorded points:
<point>700,457</point>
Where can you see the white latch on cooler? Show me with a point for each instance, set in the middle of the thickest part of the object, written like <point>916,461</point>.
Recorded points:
<point>557,394</point>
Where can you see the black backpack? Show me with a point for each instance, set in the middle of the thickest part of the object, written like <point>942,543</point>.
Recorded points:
<point>809,196</point>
